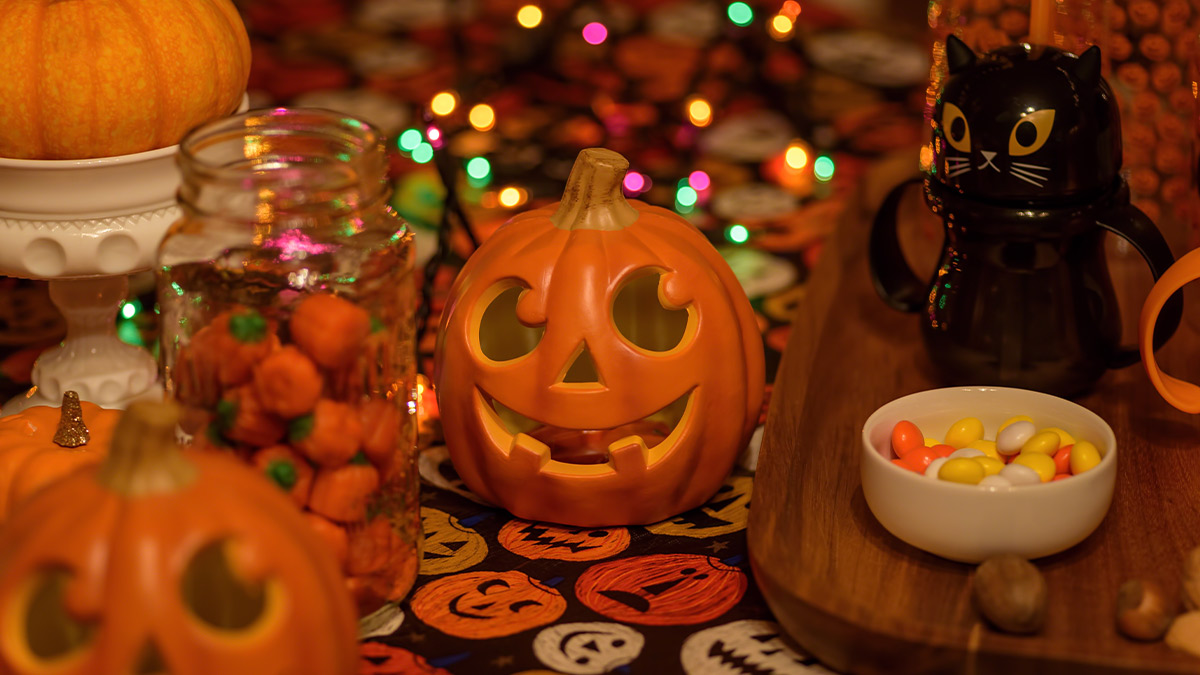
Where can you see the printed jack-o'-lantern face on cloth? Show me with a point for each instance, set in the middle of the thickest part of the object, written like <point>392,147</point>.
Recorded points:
<point>726,512</point>
<point>481,605</point>
<point>381,659</point>
<point>538,540</point>
<point>743,647</point>
<point>668,589</point>
<point>598,363</point>
<point>449,546</point>
<point>590,648</point>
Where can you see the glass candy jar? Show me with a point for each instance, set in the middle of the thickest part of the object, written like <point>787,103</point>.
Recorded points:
<point>287,300</point>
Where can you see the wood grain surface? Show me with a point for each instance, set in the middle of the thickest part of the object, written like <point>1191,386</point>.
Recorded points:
<point>863,601</point>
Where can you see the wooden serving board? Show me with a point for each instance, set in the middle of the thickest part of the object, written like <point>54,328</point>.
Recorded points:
<point>863,601</point>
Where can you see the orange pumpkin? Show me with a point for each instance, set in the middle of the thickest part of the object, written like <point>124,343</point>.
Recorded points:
<point>665,589</point>
<point>93,78</point>
<point>598,363</point>
<point>44,443</point>
<point>165,562</point>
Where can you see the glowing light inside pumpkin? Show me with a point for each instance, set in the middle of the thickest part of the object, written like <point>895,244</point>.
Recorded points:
<point>737,233</point>
<point>740,13</point>
<point>409,140</point>
<point>796,156</point>
<point>594,33</point>
<point>529,16</point>
<point>482,117</point>
<point>443,103</point>
<point>699,180</point>
<point>823,168</point>
<point>479,168</point>
<point>422,153</point>
<point>634,181</point>
<point>699,112</point>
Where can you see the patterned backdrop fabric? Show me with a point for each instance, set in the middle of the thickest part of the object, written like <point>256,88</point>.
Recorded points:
<point>793,119</point>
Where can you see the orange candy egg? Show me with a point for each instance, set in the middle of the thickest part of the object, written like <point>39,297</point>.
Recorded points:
<point>906,437</point>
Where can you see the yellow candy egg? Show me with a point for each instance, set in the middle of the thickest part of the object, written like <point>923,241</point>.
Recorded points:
<point>1042,443</point>
<point>1064,438</point>
<point>1084,456</point>
<point>930,442</point>
<point>962,470</point>
<point>991,465</point>
<point>1018,418</point>
<point>1041,463</point>
<point>988,447</point>
<point>963,432</point>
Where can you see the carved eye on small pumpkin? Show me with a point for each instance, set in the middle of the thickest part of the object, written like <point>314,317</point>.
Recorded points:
<point>52,636</point>
<point>217,597</point>
<point>1030,133</point>
<point>502,336</point>
<point>643,318</point>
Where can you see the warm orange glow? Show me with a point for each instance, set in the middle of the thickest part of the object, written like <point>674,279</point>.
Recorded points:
<point>443,103</point>
<point>482,117</point>
<point>796,157</point>
<point>781,27</point>
<point>511,196</point>
<point>699,112</point>
<point>529,16</point>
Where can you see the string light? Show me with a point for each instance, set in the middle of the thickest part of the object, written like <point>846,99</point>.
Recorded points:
<point>634,181</point>
<point>422,153</point>
<point>409,140</point>
<point>128,310</point>
<point>780,27</point>
<point>737,233</point>
<point>823,168</point>
<point>790,9</point>
<point>795,157</point>
<point>434,134</point>
<point>740,13</point>
<point>529,16</point>
<point>443,103</point>
<point>699,180</point>
<point>510,197</point>
<point>482,117</point>
<point>594,33</point>
<point>686,196</point>
<point>699,112</point>
<point>479,168</point>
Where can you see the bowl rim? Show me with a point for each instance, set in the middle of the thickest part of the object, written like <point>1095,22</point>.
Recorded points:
<point>67,164</point>
<point>1107,460</point>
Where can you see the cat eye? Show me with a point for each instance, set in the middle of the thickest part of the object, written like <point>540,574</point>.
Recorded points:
<point>1029,134</point>
<point>954,125</point>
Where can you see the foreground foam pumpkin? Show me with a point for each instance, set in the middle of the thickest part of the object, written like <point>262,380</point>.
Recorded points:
<point>598,363</point>
<point>93,78</point>
<point>44,443</point>
<point>156,561</point>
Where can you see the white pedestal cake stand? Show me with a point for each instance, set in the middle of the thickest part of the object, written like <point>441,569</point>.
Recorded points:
<point>85,225</point>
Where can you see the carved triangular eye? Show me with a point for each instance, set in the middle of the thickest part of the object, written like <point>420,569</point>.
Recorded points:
<point>502,336</point>
<point>643,320</point>
<point>51,632</point>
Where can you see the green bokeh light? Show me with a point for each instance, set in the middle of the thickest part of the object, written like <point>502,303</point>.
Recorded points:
<point>409,140</point>
<point>422,153</point>
<point>686,196</point>
<point>740,13</point>
<point>128,310</point>
<point>479,168</point>
<point>823,168</point>
<point>737,233</point>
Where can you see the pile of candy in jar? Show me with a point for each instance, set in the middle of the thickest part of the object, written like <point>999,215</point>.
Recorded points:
<point>1021,454</point>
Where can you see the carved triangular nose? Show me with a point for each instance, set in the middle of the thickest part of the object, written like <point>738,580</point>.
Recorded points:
<point>150,662</point>
<point>582,369</point>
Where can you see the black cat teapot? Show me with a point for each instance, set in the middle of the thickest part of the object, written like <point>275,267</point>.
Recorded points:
<point>1026,178</point>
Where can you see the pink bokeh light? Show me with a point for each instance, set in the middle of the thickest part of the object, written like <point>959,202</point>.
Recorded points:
<point>699,180</point>
<point>594,33</point>
<point>634,181</point>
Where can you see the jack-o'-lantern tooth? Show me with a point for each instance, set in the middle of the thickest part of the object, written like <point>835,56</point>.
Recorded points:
<point>629,454</point>
<point>529,451</point>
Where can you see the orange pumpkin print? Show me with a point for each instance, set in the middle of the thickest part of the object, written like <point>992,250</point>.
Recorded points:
<point>381,659</point>
<point>667,589</point>
<point>482,605</point>
<point>540,540</point>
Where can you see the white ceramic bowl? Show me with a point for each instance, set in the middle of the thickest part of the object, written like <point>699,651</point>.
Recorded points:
<point>970,523</point>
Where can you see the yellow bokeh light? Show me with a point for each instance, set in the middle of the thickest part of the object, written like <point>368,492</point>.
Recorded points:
<point>796,157</point>
<point>482,117</point>
<point>781,27</point>
<point>509,197</point>
<point>529,16</point>
<point>699,112</point>
<point>443,103</point>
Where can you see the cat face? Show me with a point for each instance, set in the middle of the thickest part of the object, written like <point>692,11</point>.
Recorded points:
<point>1026,123</point>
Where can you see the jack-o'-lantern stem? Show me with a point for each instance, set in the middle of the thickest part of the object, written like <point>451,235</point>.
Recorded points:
<point>593,198</point>
<point>144,457</point>
<point>71,432</point>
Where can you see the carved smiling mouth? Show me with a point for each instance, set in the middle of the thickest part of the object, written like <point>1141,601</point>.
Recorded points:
<point>588,446</point>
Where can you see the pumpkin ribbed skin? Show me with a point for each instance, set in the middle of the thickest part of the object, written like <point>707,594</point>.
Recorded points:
<point>99,78</point>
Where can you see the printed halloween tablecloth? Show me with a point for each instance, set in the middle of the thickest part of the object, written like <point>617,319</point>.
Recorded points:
<point>751,119</point>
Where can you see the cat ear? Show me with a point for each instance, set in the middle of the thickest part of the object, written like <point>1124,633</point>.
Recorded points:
<point>1088,66</point>
<point>958,54</point>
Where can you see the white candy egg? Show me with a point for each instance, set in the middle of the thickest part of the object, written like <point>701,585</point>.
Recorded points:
<point>1019,474</point>
<point>931,471</point>
<point>995,481</point>
<point>1012,437</point>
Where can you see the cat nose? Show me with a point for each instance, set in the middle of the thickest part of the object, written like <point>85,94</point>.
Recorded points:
<point>988,154</point>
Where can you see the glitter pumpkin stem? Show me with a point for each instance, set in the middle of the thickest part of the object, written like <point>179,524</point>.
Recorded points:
<point>71,432</point>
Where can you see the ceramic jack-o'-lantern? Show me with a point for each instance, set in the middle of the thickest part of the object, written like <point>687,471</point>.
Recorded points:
<point>598,363</point>
<point>156,561</point>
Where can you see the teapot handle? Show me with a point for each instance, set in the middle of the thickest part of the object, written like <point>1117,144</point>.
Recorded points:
<point>1179,393</point>
<point>1136,228</point>
<point>894,279</point>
